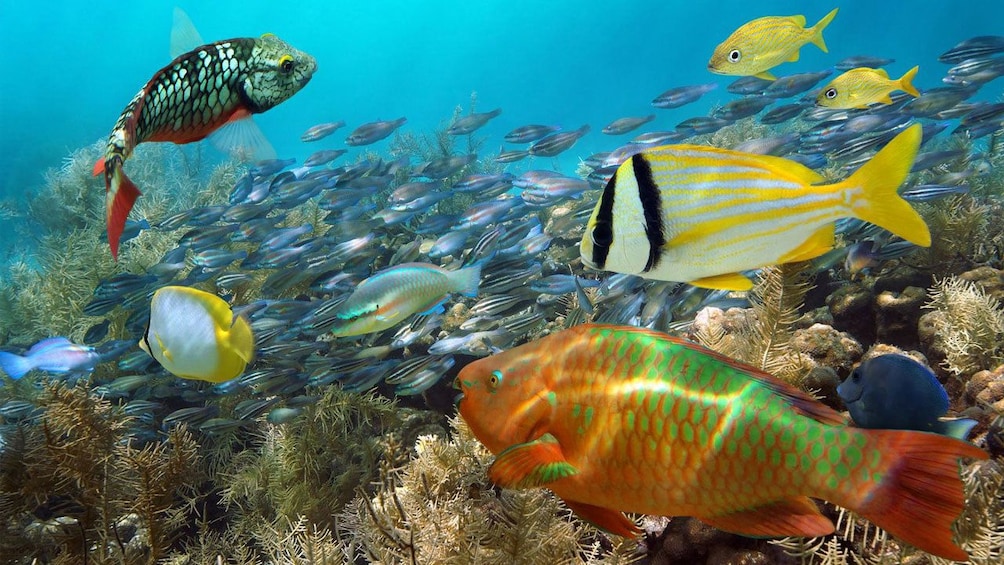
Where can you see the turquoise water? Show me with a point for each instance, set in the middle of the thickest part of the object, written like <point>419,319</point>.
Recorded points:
<point>72,66</point>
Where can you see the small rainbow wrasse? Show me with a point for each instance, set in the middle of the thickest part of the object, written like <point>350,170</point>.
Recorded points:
<point>857,88</point>
<point>703,215</point>
<point>624,125</point>
<point>391,295</point>
<point>530,133</point>
<point>765,43</point>
<point>215,85</point>
<point>557,142</point>
<point>682,95</point>
<point>373,131</point>
<point>848,63</point>
<point>619,419</point>
<point>53,355</point>
<point>320,131</point>
<point>468,124</point>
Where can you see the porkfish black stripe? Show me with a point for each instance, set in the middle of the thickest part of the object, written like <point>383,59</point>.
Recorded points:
<point>651,204</point>
<point>603,233</point>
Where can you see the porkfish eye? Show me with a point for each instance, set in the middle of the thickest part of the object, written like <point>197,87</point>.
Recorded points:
<point>735,56</point>
<point>286,63</point>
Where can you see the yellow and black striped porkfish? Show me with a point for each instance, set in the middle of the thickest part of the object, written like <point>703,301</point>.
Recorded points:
<point>703,215</point>
<point>215,85</point>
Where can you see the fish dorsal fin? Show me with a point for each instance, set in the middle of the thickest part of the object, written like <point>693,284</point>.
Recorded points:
<point>882,73</point>
<point>531,464</point>
<point>184,36</point>
<point>818,243</point>
<point>242,139</point>
<point>728,281</point>
<point>798,20</point>
<point>47,343</point>
<point>791,517</point>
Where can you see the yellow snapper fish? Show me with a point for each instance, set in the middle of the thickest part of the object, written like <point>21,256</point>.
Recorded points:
<point>765,43</point>
<point>195,335</point>
<point>857,88</point>
<point>702,215</point>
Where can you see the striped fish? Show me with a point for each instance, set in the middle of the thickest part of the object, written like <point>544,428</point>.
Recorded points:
<point>764,43</point>
<point>702,215</point>
<point>217,84</point>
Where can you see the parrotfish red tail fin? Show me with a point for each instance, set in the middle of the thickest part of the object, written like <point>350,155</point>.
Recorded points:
<point>817,30</point>
<point>921,493</point>
<point>120,196</point>
<point>905,82</point>
<point>874,189</point>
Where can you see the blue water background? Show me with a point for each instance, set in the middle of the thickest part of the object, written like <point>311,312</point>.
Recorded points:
<point>72,66</point>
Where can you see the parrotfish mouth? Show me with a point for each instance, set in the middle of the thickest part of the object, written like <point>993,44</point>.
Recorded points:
<point>457,399</point>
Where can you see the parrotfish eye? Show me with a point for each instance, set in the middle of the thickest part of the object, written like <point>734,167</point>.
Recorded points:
<point>855,375</point>
<point>495,379</point>
<point>286,63</point>
<point>735,55</point>
<point>602,235</point>
<point>830,93</point>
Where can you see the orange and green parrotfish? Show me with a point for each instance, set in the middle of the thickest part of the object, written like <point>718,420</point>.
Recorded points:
<point>215,85</point>
<point>702,215</point>
<point>619,419</point>
<point>765,43</point>
<point>857,88</point>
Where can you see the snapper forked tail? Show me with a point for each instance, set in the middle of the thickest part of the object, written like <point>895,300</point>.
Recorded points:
<point>919,495</point>
<point>120,195</point>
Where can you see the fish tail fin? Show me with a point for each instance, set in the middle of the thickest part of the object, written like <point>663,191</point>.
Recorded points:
<point>920,493</point>
<point>16,366</point>
<point>120,195</point>
<point>817,30</point>
<point>495,113</point>
<point>467,280</point>
<point>876,184</point>
<point>242,339</point>
<point>905,82</point>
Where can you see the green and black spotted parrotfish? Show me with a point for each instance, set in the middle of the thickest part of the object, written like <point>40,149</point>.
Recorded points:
<point>212,89</point>
<point>620,419</point>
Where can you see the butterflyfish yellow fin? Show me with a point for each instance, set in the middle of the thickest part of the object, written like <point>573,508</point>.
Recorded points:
<point>163,350</point>
<point>242,340</point>
<point>873,189</point>
<point>728,281</point>
<point>905,82</point>
<point>765,75</point>
<point>817,30</point>
<point>818,243</point>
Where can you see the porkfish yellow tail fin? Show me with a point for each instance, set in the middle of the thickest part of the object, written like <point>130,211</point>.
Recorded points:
<point>905,82</point>
<point>874,188</point>
<point>120,195</point>
<point>817,30</point>
<point>242,339</point>
<point>920,494</point>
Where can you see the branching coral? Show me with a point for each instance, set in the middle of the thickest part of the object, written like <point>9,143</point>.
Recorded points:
<point>971,326</point>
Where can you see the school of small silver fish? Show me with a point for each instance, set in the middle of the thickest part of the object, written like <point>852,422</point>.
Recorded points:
<point>423,266</point>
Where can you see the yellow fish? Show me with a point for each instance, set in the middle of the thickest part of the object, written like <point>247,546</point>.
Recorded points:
<point>857,88</point>
<point>765,43</point>
<point>702,215</point>
<point>194,335</point>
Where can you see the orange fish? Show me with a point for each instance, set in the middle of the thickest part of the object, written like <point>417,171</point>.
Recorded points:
<point>619,419</point>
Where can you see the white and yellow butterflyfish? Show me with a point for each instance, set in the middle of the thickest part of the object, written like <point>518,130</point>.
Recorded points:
<point>703,215</point>
<point>195,335</point>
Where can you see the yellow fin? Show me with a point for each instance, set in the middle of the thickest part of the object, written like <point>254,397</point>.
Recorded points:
<point>874,189</point>
<point>905,82</point>
<point>794,57</point>
<point>728,281</point>
<point>882,73</point>
<point>886,99</point>
<point>818,243</point>
<point>792,517</point>
<point>765,75</point>
<point>241,339</point>
<point>817,30</point>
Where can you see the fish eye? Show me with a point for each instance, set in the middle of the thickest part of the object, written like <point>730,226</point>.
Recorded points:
<point>855,375</point>
<point>602,235</point>
<point>286,63</point>
<point>495,380</point>
<point>831,93</point>
<point>735,55</point>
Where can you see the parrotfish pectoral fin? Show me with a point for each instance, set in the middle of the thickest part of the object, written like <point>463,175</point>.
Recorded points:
<point>765,75</point>
<point>120,195</point>
<point>817,35</point>
<point>241,138</point>
<point>875,187</point>
<point>792,517</point>
<point>605,519</point>
<point>14,365</point>
<point>99,167</point>
<point>532,464</point>
<point>728,281</point>
<point>818,243</point>
<point>921,494</point>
